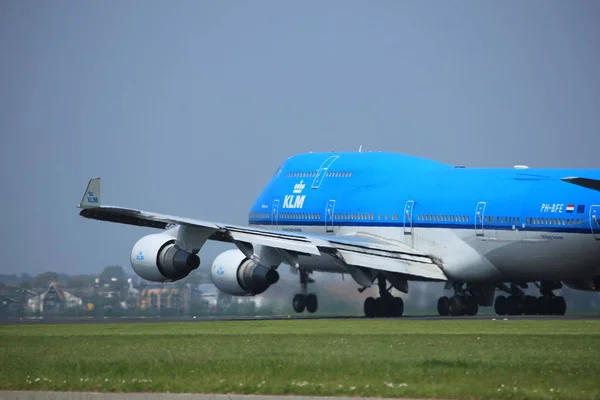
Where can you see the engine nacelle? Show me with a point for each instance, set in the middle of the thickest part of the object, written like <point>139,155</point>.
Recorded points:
<point>590,285</point>
<point>157,258</point>
<point>233,273</point>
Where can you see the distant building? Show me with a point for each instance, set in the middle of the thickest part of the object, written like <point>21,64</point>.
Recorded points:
<point>13,300</point>
<point>6,303</point>
<point>120,290</point>
<point>54,299</point>
<point>159,297</point>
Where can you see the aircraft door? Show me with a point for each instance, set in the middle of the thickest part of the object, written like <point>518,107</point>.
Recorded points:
<point>408,217</point>
<point>329,209</point>
<point>480,218</point>
<point>595,221</point>
<point>275,213</point>
<point>323,171</point>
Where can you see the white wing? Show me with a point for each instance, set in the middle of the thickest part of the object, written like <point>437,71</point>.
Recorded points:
<point>357,250</point>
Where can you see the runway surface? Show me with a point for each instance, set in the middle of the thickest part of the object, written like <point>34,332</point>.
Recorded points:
<point>161,396</point>
<point>103,320</point>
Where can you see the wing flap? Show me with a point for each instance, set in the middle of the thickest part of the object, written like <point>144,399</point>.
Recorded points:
<point>369,251</point>
<point>265,239</point>
<point>367,242</point>
<point>398,265</point>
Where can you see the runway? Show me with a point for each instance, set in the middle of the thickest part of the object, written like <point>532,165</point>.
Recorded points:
<point>129,320</point>
<point>16,395</point>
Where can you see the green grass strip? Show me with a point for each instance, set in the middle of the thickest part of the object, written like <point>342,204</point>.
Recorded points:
<point>396,358</point>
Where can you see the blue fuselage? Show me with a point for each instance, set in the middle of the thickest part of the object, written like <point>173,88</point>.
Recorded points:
<point>386,189</point>
<point>522,223</point>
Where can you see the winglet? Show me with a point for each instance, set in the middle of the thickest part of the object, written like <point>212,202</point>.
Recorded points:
<point>588,183</point>
<point>91,197</point>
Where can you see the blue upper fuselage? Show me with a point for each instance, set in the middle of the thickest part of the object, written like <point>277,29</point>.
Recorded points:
<point>389,189</point>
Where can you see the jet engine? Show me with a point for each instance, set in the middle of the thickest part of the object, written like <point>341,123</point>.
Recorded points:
<point>233,273</point>
<point>590,285</point>
<point>157,258</point>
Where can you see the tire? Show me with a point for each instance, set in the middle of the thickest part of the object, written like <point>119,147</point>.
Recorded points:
<point>559,305</point>
<point>543,305</point>
<point>370,307</point>
<point>515,305</point>
<point>299,302</point>
<point>381,307</point>
<point>312,304</point>
<point>397,307</point>
<point>443,306</point>
<point>530,305</point>
<point>471,306</point>
<point>501,305</point>
<point>456,306</point>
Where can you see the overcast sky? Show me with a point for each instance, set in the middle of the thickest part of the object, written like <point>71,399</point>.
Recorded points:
<point>188,107</point>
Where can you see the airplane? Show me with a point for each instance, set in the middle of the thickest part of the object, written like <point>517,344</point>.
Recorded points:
<point>388,219</point>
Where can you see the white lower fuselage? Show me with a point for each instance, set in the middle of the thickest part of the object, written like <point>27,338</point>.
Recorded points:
<point>497,256</point>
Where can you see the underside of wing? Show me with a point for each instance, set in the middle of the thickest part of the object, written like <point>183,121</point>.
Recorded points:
<point>377,253</point>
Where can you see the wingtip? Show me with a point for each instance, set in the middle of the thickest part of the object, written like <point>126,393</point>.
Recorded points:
<point>91,197</point>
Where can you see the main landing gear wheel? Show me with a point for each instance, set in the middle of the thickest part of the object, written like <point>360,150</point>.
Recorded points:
<point>370,307</point>
<point>312,303</point>
<point>443,306</point>
<point>518,303</point>
<point>384,306</point>
<point>530,305</point>
<point>471,307</point>
<point>463,302</point>
<point>302,300</point>
<point>299,303</point>
<point>456,306</point>
<point>558,305</point>
<point>501,306</point>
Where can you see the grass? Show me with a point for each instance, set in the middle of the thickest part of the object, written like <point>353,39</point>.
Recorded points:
<point>395,358</point>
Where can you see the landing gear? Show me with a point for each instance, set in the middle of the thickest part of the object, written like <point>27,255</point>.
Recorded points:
<point>384,306</point>
<point>463,302</point>
<point>444,306</point>
<point>303,300</point>
<point>518,303</point>
<point>299,303</point>
<point>312,303</point>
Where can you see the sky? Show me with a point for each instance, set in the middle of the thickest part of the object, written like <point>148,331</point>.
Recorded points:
<point>188,108</point>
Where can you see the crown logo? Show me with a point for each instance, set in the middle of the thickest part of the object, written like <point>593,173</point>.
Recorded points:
<point>299,187</point>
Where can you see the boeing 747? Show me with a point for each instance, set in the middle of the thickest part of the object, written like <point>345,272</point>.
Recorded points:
<point>386,218</point>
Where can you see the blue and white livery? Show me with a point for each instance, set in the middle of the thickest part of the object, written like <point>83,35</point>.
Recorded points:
<point>392,218</point>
